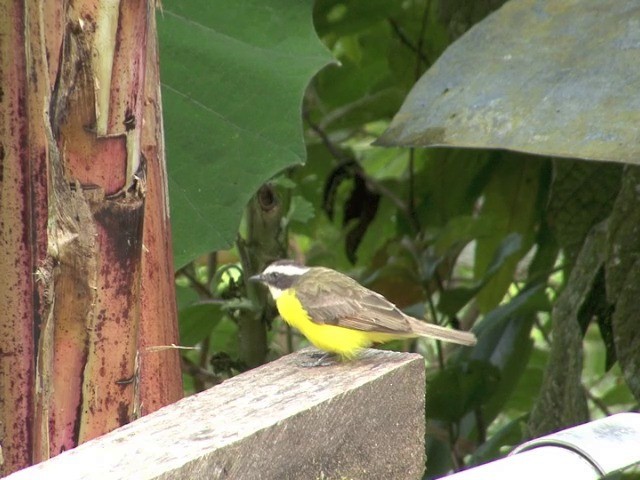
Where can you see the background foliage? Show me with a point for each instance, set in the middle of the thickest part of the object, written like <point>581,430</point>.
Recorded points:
<point>511,245</point>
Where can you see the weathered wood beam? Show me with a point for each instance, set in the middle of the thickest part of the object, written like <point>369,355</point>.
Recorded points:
<point>363,419</point>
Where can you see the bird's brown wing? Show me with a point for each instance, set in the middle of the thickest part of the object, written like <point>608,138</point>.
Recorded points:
<point>336,299</point>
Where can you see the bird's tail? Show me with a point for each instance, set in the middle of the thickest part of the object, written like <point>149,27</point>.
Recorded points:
<point>430,330</point>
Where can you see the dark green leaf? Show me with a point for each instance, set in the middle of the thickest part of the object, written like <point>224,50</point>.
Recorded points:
<point>511,200</point>
<point>233,77</point>
<point>340,18</point>
<point>460,389</point>
<point>526,390</point>
<point>185,296</point>
<point>504,339</point>
<point>197,322</point>
<point>460,230</point>
<point>467,170</point>
<point>506,438</point>
<point>224,338</point>
<point>452,300</point>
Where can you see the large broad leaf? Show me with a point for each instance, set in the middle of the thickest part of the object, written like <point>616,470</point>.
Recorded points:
<point>233,77</point>
<point>552,77</point>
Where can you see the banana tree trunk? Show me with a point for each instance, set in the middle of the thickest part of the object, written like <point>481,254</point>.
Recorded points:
<point>86,273</point>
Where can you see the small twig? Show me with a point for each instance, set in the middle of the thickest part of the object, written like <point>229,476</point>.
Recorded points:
<point>406,41</point>
<point>160,348</point>
<point>201,376</point>
<point>458,463</point>
<point>480,425</point>
<point>198,286</point>
<point>412,188</point>
<point>598,402</point>
<point>545,336</point>
<point>340,112</point>
<point>421,57</point>
<point>432,309</point>
<point>212,266</point>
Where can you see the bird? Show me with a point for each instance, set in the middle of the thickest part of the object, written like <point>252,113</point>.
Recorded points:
<point>338,315</point>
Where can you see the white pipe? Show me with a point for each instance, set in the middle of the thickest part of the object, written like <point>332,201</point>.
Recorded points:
<point>585,452</point>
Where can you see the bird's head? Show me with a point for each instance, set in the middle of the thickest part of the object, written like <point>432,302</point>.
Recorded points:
<point>280,275</point>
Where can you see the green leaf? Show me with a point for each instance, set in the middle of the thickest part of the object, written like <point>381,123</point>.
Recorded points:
<point>571,95</point>
<point>460,389</point>
<point>301,210</point>
<point>619,394</point>
<point>504,339</point>
<point>460,230</point>
<point>500,442</point>
<point>451,182</point>
<point>503,342</point>
<point>526,390</point>
<point>451,301</point>
<point>339,18</point>
<point>185,296</point>
<point>197,322</point>
<point>224,338</point>
<point>233,77</point>
<point>511,199</point>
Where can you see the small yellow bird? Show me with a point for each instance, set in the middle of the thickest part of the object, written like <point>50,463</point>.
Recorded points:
<point>340,316</point>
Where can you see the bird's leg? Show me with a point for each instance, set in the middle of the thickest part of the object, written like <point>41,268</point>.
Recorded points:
<point>316,354</point>
<point>320,359</point>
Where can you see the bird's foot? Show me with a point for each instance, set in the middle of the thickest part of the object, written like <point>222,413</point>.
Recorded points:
<point>319,359</point>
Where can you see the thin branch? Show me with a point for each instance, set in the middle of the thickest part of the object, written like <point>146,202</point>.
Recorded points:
<point>458,462</point>
<point>598,402</point>
<point>545,335</point>
<point>212,266</point>
<point>406,41</point>
<point>197,285</point>
<point>412,196</point>
<point>201,377</point>
<point>480,425</point>
<point>434,315</point>
<point>421,56</point>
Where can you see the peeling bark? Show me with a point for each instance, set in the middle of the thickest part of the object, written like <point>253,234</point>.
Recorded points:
<point>158,368</point>
<point>87,275</point>
<point>16,267</point>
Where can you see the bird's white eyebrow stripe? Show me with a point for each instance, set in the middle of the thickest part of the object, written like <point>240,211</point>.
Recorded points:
<point>287,269</point>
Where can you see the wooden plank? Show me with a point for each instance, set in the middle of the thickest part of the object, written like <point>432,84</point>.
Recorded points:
<point>358,420</point>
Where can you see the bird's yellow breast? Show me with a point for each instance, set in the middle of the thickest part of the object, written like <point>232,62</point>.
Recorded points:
<point>344,341</point>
